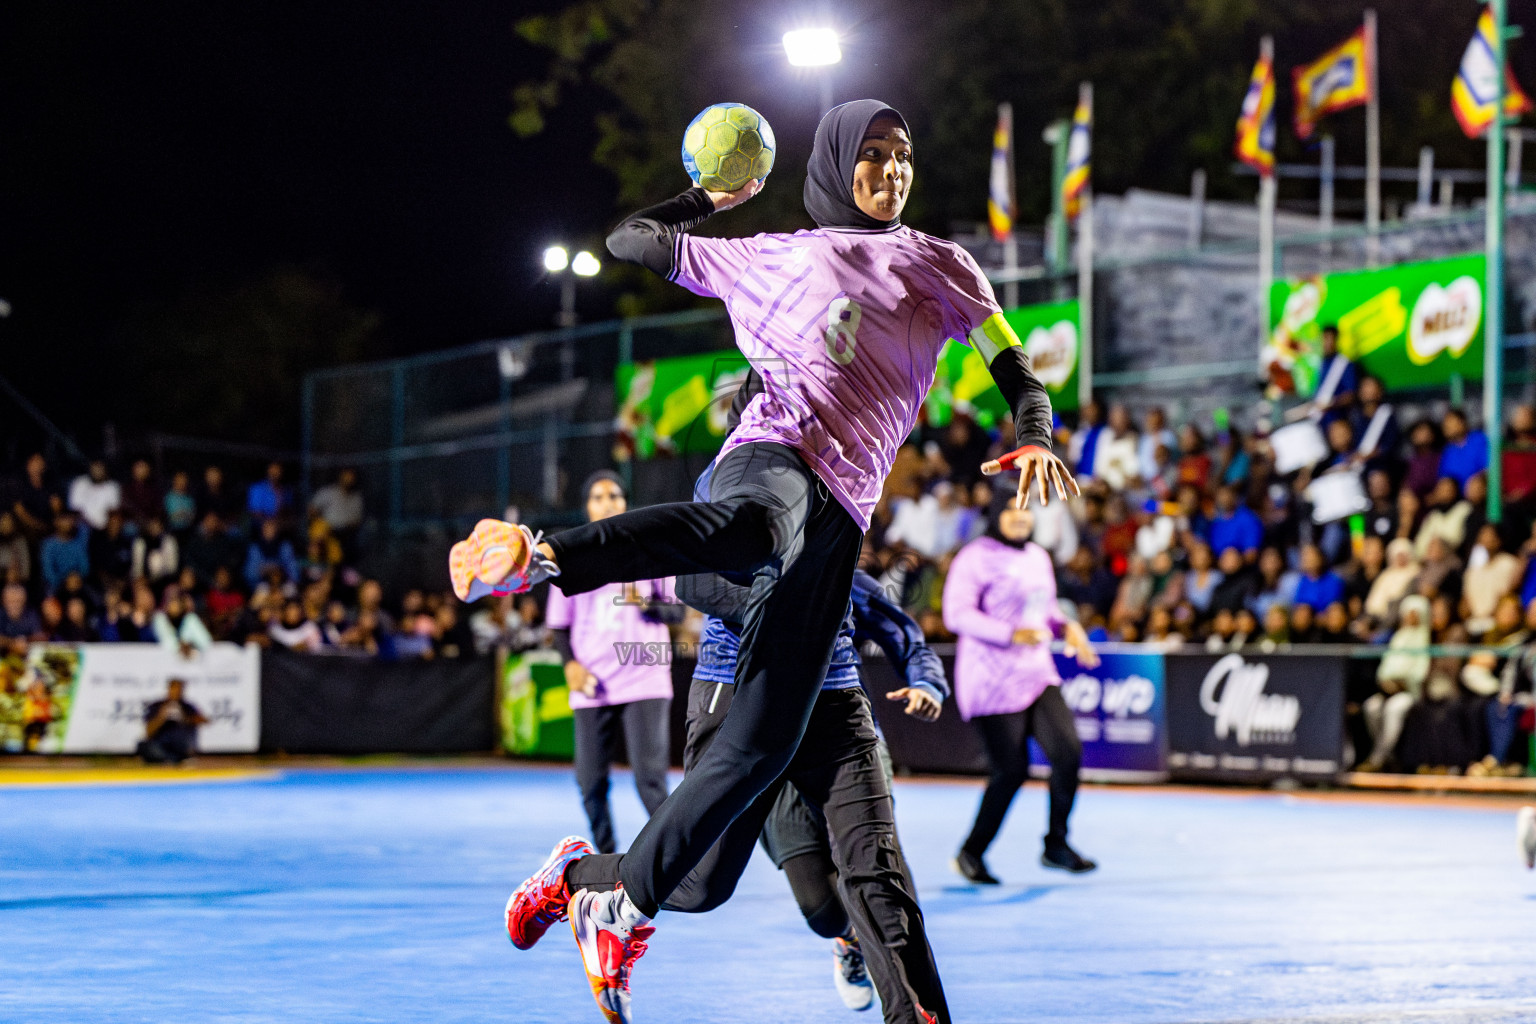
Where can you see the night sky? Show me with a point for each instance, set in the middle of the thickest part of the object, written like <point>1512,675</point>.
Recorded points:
<point>153,149</point>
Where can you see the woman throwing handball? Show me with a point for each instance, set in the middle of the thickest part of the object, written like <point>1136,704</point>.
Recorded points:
<point>1000,600</point>
<point>844,323</point>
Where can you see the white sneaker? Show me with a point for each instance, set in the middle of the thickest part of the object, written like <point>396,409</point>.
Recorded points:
<point>611,934</point>
<point>1525,830</point>
<point>849,975</point>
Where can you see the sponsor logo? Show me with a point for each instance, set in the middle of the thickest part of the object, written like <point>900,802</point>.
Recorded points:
<point>1052,352</point>
<point>1117,698</point>
<point>1233,695</point>
<point>1445,319</point>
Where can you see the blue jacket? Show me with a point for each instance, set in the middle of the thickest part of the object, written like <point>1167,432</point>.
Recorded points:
<point>1242,530</point>
<point>1321,592</point>
<point>59,558</point>
<point>1463,461</point>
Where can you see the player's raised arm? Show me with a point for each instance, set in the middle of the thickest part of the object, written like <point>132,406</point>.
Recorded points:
<point>649,237</point>
<point>1031,406</point>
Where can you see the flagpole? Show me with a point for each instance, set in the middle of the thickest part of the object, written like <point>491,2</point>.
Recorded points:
<point>1493,297</point>
<point>1267,189</point>
<point>1085,274</point>
<point>1011,243</point>
<point>1372,141</point>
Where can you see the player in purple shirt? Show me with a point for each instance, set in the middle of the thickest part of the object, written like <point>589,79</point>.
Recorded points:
<point>845,324</point>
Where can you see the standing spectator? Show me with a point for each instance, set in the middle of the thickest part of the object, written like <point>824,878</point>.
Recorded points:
<point>141,495</point>
<point>1082,449</point>
<point>340,504</point>
<point>1466,451</point>
<point>15,553</point>
<point>170,727</point>
<point>268,498</point>
<point>95,495</point>
<point>177,627</point>
<point>270,548</point>
<point>1424,463</point>
<point>1342,400</point>
<point>36,500</point>
<point>1115,459</point>
<point>156,555</point>
<point>110,551</point>
<point>1400,680</point>
<point>1154,435</point>
<point>65,551</point>
<point>1235,525</point>
<point>215,495</point>
<point>1194,460</point>
<point>180,506</point>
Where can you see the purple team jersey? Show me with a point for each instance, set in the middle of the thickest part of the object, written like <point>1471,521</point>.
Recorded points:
<point>610,636</point>
<point>845,327</point>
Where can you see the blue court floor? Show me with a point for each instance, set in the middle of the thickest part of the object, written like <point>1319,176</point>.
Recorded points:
<point>376,895</point>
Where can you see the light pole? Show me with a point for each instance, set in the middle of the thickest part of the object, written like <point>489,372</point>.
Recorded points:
<point>815,48</point>
<point>560,263</point>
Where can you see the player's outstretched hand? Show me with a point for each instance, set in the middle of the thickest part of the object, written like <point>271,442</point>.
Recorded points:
<point>920,703</point>
<point>1036,466</point>
<point>726,200</point>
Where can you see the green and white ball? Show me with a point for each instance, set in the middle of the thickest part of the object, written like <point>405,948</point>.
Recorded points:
<point>726,146</point>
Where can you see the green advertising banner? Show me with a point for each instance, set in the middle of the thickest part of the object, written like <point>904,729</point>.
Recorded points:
<point>1412,325</point>
<point>679,405</point>
<point>536,719</point>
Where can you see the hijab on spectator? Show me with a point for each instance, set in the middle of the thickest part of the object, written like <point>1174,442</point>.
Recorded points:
<point>1407,660</point>
<point>834,155</point>
<point>597,478</point>
<point>1393,581</point>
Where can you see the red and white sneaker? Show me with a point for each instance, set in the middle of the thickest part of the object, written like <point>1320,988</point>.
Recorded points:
<point>541,901</point>
<point>498,558</point>
<point>611,934</point>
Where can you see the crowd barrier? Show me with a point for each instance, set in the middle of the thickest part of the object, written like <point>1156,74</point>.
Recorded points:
<point>1143,714</point>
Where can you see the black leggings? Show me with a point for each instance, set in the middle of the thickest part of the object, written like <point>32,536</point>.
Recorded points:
<point>646,728</point>
<point>770,516</point>
<point>1006,740</point>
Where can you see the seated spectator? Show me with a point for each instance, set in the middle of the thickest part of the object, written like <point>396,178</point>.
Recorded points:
<point>1233,462</point>
<point>1247,629</point>
<point>77,627</point>
<point>223,601</point>
<point>1519,458</point>
<point>1466,451</point>
<point>333,624</point>
<point>296,631</point>
<point>322,554</point>
<point>1303,624</point>
<point>1492,574</point>
<point>268,498</point>
<point>1443,729</point>
<point>1223,633</point>
<point>36,501</point>
<point>110,551</point>
<point>1235,525</point>
<point>15,553</point>
<point>1277,629</point>
<point>156,556</point>
<point>1341,400</point>
<point>1362,571</point>
<point>1502,715</point>
<point>1424,463</point>
<point>1202,579</point>
<point>215,495</point>
<point>1155,531</point>
<point>211,546</point>
<point>1384,457</point>
<point>64,551</point>
<point>1055,530</point>
<point>370,599</point>
<point>1194,460</point>
<point>1167,581</point>
<point>180,506</point>
<point>1084,582</point>
<point>177,627</point>
<point>1319,586</point>
<point>51,611</point>
<point>1334,626</point>
<point>1440,574</point>
<point>170,727</point>
<point>141,495</point>
<point>1161,630</point>
<point>929,525</point>
<point>451,637</point>
<point>269,549</point>
<point>94,495</point>
<point>1276,583</point>
<point>19,623</point>
<point>1083,448</point>
<point>131,622</point>
<point>1115,458</point>
<point>1238,585</point>
<point>1381,517</point>
<point>1393,584</point>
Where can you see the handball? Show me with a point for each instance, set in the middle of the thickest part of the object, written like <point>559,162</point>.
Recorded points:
<point>726,146</point>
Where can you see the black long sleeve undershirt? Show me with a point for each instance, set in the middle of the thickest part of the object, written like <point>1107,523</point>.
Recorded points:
<point>1026,396</point>
<point>649,237</point>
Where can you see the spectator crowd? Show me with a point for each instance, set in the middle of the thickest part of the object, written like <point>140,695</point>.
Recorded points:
<point>1190,538</point>
<point>181,563</point>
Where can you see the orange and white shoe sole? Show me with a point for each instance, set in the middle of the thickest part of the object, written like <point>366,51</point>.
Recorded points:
<point>490,554</point>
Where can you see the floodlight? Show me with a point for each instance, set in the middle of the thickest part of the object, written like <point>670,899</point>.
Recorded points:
<point>812,47</point>
<point>556,259</point>
<point>585,264</point>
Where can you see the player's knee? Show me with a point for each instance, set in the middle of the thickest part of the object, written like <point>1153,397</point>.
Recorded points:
<point>829,919</point>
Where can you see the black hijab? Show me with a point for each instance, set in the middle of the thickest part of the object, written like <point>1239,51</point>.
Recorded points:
<point>597,478</point>
<point>829,175</point>
<point>1005,490</point>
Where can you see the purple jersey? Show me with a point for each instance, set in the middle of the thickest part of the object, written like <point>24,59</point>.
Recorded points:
<point>845,327</point>
<point>993,589</point>
<point>613,639</point>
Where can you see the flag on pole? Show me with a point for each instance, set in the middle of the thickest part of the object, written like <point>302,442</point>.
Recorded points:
<point>1079,146</point>
<point>1339,79</point>
<point>1474,90</point>
<point>1255,145</point>
<point>1001,207</point>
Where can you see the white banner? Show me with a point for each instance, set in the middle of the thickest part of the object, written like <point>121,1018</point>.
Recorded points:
<point>114,683</point>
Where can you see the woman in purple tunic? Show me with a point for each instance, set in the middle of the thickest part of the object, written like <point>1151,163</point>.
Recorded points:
<point>599,634</point>
<point>1000,599</point>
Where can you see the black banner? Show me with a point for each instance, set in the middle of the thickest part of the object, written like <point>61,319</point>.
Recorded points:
<point>1252,716</point>
<point>312,704</point>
